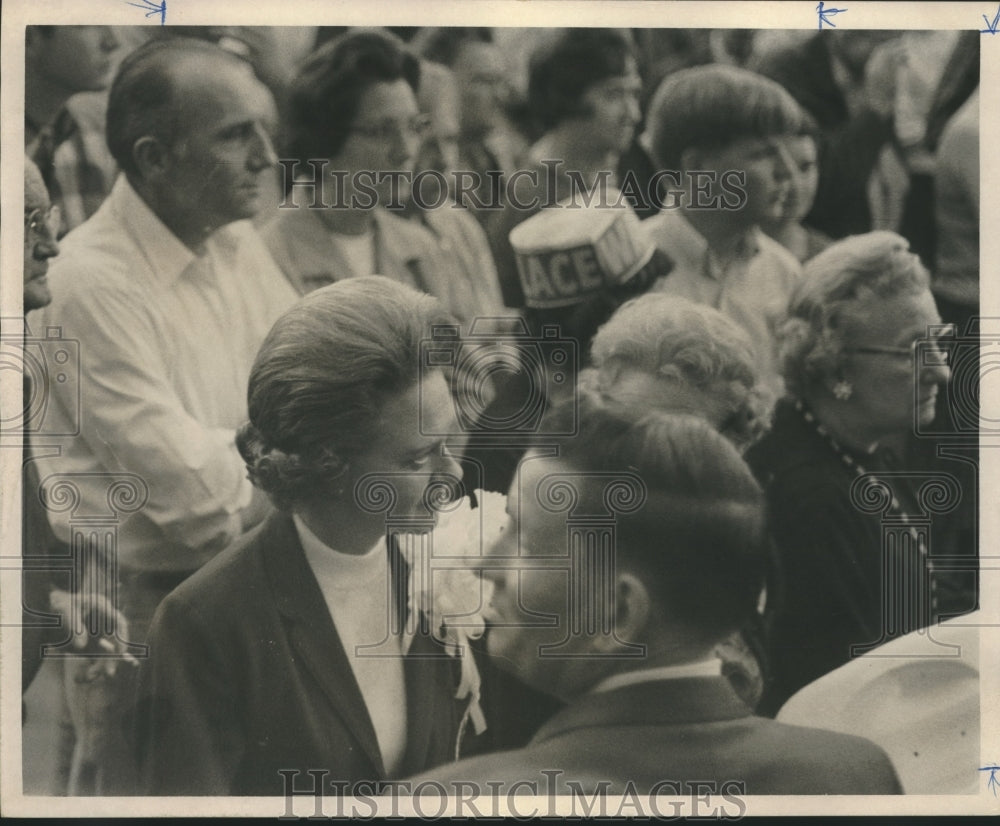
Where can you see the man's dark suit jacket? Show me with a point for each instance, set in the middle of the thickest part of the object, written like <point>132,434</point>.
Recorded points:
<point>247,676</point>
<point>678,732</point>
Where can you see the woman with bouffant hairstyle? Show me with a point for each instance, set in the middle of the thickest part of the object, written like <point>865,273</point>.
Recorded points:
<point>284,653</point>
<point>321,379</point>
<point>865,356</point>
<point>668,353</point>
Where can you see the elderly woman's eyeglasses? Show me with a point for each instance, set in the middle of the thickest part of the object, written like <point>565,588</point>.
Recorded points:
<point>935,347</point>
<point>39,220</point>
<point>417,126</point>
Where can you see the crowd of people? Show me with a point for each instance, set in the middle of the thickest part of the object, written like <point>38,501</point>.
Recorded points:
<point>719,286</point>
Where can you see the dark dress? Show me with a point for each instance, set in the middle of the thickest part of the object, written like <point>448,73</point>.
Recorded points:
<point>849,577</point>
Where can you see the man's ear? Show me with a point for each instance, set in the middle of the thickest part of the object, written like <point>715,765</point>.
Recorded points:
<point>151,157</point>
<point>633,608</point>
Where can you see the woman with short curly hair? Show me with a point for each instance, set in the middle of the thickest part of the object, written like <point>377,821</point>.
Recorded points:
<point>669,353</point>
<point>864,359</point>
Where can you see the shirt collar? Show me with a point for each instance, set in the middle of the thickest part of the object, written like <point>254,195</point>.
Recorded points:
<point>695,249</point>
<point>165,253</point>
<point>703,668</point>
<point>168,257</point>
<point>348,568</point>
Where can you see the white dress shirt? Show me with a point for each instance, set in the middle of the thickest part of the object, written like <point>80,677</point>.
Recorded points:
<point>703,668</point>
<point>166,342</point>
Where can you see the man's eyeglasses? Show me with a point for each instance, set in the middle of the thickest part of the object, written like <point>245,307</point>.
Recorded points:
<point>938,342</point>
<point>42,219</point>
<point>417,126</point>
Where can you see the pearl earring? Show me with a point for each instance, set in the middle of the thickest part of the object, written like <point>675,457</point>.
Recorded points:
<point>843,390</point>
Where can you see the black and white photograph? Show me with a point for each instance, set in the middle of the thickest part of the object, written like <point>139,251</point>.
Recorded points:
<point>530,408</point>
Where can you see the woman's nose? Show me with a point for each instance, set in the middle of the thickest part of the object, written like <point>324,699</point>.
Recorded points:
<point>935,369</point>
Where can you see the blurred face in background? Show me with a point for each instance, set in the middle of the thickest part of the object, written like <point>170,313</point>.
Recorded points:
<point>481,73</point>
<point>853,48</point>
<point>439,100</point>
<point>804,179</point>
<point>767,166</point>
<point>385,135</point>
<point>73,58</point>
<point>614,110</point>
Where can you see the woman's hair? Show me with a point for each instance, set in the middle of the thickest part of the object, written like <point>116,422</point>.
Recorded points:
<point>676,339</point>
<point>327,92</point>
<point>712,107</point>
<point>322,376</point>
<point>560,72</point>
<point>841,281</point>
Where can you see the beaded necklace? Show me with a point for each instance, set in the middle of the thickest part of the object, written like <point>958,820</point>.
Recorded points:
<point>895,507</point>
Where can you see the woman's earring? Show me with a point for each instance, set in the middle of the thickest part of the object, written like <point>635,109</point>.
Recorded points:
<point>843,390</point>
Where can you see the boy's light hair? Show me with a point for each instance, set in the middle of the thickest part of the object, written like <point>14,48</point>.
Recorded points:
<point>711,107</point>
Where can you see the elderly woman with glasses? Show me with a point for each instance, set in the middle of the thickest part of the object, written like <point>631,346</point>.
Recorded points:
<point>864,359</point>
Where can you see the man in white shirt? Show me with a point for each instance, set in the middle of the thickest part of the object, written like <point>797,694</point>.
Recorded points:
<point>628,556</point>
<point>169,291</point>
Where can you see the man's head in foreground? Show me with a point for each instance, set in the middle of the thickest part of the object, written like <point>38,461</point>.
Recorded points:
<point>640,545</point>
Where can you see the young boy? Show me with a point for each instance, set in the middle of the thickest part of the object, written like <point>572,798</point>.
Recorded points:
<point>719,135</point>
